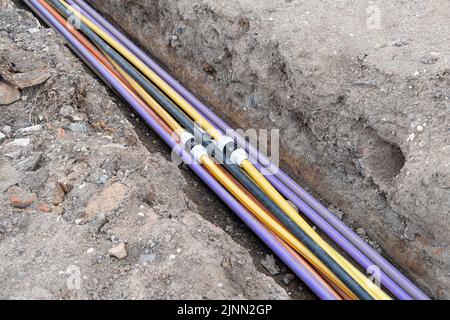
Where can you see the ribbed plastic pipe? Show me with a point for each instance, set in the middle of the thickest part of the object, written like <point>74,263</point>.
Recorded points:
<point>367,256</point>
<point>266,236</point>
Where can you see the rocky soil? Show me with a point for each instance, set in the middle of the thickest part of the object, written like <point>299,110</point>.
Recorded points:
<point>88,211</point>
<point>359,89</point>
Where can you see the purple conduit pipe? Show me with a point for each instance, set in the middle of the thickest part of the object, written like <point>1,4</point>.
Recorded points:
<point>265,235</point>
<point>285,184</point>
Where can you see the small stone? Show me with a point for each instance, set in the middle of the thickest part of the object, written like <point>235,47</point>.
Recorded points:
<point>2,137</point>
<point>287,278</point>
<point>8,94</point>
<point>60,133</point>
<point>66,111</point>
<point>419,128</point>
<point>45,208</point>
<point>78,127</point>
<point>361,231</point>
<point>339,214</point>
<point>20,198</point>
<point>90,250</point>
<point>33,30</point>
<point>102,179</point>
<point>269,263</point>
<point>21,142</point>
<point>27,79</point>
<point>30,130</point>
<point>7,130</point>
<point>220,285</point>
<point>411,137</point>
<point>31,164</point>
<point>118,251</point>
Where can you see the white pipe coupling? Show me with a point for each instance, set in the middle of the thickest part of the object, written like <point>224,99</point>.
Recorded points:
<point>223,141</point>
<point>198,152</point>
<point>238,156</point>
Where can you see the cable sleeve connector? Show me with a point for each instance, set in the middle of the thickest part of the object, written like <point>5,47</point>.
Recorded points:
<point>238,156</point>
<point>198,152</point>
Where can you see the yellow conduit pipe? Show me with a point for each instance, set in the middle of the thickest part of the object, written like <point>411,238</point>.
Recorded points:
<point>273,224</point>
<point>248,167</point>
<point>239,194</point>
<point>152,103</point>
<point>262,182</point>
<point>249,203</point>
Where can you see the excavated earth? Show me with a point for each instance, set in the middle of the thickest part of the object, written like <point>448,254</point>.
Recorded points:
<point>363,113</point>
<point>77,181</point>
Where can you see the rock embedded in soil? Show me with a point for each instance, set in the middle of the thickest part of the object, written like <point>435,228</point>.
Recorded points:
<point>8,94</point>
<point>30,130</point>
<point>268,262</point>
<point>20,198</point>
<point>119,251</point>
<point>21,142</point>
<point>287,278</point>
<point>24,80</point>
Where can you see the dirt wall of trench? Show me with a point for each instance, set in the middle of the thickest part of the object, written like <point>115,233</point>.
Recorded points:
<point>362,104</point>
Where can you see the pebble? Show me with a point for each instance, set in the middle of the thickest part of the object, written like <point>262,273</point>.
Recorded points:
<point>102,179</point>
<point>30,130</point>
<point>21,203</point>
<point>118,251</point>
<point>30,164</point>
<point>33,30</point>
<point>7,130</point>
<point>20,198</point>
<point>45,208</point>
<point>8,94</point>
<point>411,137</point>
<point>2,137</point>
<point>361,231</point>
<point>269,263</point>
<point>338,213</point>
<point>90,250</point>
<point>21,142</point>
<point>78,127</point>
<point>419,128</point>
<point>287,278</point>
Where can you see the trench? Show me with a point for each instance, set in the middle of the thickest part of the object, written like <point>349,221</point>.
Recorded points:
<point>212,209</point>
<point>366,165</point>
